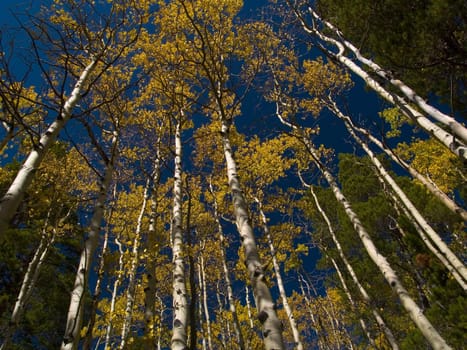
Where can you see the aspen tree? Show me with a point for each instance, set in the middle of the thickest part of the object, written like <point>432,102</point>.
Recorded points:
<point>455,266</point>
<point>230,296</point>
<point>388,333</point>
<point>448,139</point>
<point>390,275</point>
<point>97,53</point>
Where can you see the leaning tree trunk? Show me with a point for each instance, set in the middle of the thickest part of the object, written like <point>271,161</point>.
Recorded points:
<point>150,290</point>
<point>76,308</point>
<point>455,266</point>
<point>204,292</point>
<point>272,327</point>
<point>415,313</point>
<point>456,128</point>
<point>100,275</point>
<point>113,300</point>
<point>379,320</point>
<point>280,283</point>
<point>426,124</point>
<point>12,198</point>
<point>230,296</point>
<point>180,304</point>
<point>352,303</point>
<point>429,184</point>
<point>131,288</point>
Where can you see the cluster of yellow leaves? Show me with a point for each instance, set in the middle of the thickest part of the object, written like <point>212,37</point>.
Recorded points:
<point>432,159</point>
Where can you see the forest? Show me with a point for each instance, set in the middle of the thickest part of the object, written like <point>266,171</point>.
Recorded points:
<point>199,174</point>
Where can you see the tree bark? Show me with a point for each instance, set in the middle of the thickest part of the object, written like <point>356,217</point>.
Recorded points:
<point>12,198</point>
<point>280,283</point>
<point>272,326</point>
<point>379,320</point>
<point>180,304</point>
<point>415,313</point>
<point>131,288</point>
<point>230,297</point>
<point>75,311</point>
<point>426,124</point>
<point>455,266</point>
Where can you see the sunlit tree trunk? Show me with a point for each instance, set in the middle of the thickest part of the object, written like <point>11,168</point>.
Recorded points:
<point>12,198</point>
<point>456,128</point>
<point>180,304</point>
<point>426,124</point>
<point>272,327</point>
<point>131,288</point>
<point>230,296</point>
<point>100,274</point>
<point>352,303</point>
<point>455,266</point>
<point>76,308</point>
<point>113,300</point>
<point>150,290</point>
<point>388,333</point>
<point>205,298</point>
<point>429,184</point>
<point>415,313</point>
<point>280,283</point>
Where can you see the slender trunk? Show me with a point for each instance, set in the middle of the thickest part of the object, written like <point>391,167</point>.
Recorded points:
<point>272,326</point>
<point>415,313</point>
<point>200,313</point>
<point>113,300</point>
<point>131,288</point>
<point>230,297</point>
<point>12,198</point>
<point>150,290</point>
<point>191,277</point>
<point>29,282</point>
<point>314,323</point>
<point>455,127</point>
<point>432,187</point>
<point>352,303</point>
<point>455,266</point>
<point>76,309</point>
<point>205,299</point>
<point>222,319</point>
<point>431,128</point>
<point>180,305</point>
<point>280,283</point>
<point>388,333</point>
<point>97,290</point>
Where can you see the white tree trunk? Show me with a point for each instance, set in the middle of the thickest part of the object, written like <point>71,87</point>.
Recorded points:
<point>426,124</point>
<point>205,299</point>
<point>12,198</point>
<point>272,326</point>
<point>456,128</point>
<point>389,335</point>
<point>415,313</point>
<point>75,311</point>
<point>280,283</point>
<point>352,303</point>
<point>455,266</point>
<point>150,290</point>
<point>180,304</point>
<point>131,288</point>
<point>432,187</point>
<point>230,296</point>
<point>113,300</point>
